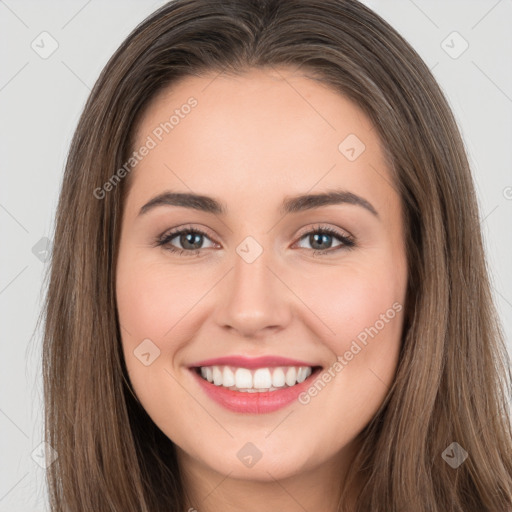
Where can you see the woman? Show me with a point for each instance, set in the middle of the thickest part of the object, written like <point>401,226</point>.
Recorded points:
<point>264,373</point>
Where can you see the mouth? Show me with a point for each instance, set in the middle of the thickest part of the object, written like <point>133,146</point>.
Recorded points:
<point>259,380</point>
<point>255,386</point>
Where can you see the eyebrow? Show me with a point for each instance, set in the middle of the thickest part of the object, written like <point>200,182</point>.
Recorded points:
<point>293,204</point>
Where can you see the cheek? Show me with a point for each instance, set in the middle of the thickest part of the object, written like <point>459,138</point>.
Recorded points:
<point>154,298</point>
<point>357,302</point>
<point>361,305</point>
<point>150,303</point>
<point>153,301</point>
<point>363,308</point>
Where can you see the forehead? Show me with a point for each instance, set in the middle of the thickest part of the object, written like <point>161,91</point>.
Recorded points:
<point>261,132</point>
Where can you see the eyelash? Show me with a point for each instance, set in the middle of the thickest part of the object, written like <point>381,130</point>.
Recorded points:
<point>164,240</point>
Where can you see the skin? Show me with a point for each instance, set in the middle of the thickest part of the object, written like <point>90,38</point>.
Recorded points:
<point>265,134</point>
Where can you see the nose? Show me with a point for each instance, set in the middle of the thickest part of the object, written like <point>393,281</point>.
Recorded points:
<point>253,299</point>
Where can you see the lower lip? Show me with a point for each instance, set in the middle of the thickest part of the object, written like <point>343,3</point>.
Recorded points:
<point>254,403</point>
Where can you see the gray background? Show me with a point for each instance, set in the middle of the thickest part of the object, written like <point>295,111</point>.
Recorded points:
<point>40,102</point>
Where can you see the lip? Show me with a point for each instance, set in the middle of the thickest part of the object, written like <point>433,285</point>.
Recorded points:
<point>252,362</point>
<point>253,403</point>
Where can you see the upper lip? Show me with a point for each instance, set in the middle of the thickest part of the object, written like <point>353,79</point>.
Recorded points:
<point>252,362</point>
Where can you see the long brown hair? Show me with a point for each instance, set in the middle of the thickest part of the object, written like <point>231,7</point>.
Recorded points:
<point>453,378</point>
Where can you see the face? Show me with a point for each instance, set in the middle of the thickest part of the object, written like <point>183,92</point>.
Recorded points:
<point>254,283</point>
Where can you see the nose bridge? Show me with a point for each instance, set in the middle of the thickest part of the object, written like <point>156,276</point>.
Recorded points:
<point>253,298</point>
<point>251,276</point>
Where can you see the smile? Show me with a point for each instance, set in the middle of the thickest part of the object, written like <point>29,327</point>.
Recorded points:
<point>254,385</point>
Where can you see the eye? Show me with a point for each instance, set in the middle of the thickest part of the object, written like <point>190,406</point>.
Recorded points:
<point>189,238</point>
<point>323,236</point>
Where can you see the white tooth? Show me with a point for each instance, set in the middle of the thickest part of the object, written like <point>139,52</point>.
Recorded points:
<point>209,374</point>
<point>278,378</point>
<point>262,378</point>
<point>252,390</point>
<point>217,376</point>
<point>228,377</point>
<point>291,376</point>
<point>301,375</point>
<point>203,372</point>
<point>243,378</point>
<point>308,371</point>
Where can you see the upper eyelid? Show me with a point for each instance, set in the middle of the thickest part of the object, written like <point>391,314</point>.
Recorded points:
<point>185,229</point>
<point>322,227</point>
